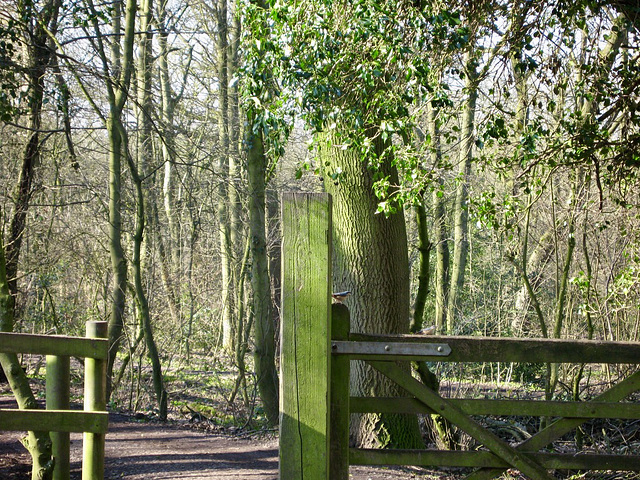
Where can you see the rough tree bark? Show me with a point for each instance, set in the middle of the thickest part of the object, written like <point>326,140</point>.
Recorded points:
<point>371,260</point>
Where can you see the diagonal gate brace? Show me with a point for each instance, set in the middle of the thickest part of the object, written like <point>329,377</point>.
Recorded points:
<point>564,425</point>
<point>517,459</point>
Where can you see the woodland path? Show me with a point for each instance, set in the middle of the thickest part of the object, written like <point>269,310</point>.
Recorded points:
<point>154,451</point>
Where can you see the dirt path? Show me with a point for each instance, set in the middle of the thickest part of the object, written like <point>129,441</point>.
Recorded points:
<point>145,451</point>
<point>138,451</point>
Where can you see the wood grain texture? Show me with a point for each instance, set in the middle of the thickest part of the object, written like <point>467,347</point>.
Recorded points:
<point>304,336</point>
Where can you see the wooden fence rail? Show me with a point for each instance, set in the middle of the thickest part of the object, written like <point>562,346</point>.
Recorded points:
<point>317,348</point>
<point>58,419</point>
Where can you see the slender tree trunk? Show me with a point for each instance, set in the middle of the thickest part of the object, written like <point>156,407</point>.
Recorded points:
<point>224,214</point>
<point>116,251</point>
<point>234,136</point>
<point>236,183</point>
<point>441,238</point>
<point>170,249</point>
<point>40,53</point>
<point>424,274</point>
<point>122,65</point>
<point>264,328</point>
<point>461,211</point>
<point>168,103</point>
<point>145,155</point>
<point>440,425</point>
<point>141,299</point>
<point>371,260</point>
<point>37,443</point>
<point>274,245</point>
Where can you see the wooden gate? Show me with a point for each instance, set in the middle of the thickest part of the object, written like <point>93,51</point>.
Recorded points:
<point>317,348</point>
<point>58,418</point>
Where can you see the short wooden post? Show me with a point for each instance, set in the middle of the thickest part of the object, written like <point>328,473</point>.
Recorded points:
<point>95,400</point>
<point>57,398</point>
<point>340,367</point>
<point>305,336</point>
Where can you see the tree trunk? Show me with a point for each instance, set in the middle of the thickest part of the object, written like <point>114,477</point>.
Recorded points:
<point>461,211</point>
<point>224,214</point>
<point>424,273</point>
<point>40,53</point>
<point>264,328</point>
<point>122,67</point>
<point>440,236</point>
<point>371,260</point>
<point>116,252</point>
<point>168,103</point>
<point>145,154</point>
<point>170,248</point>
<point>441,427</point>
<point>37,443</point>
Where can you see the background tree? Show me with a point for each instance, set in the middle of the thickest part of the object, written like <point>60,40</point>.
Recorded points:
<point>349,68</point>
<point>35,27</point>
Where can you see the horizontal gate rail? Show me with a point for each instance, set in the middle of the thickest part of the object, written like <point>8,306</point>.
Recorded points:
<point>485,459</point>
<point>501,407</point>
<point>489,349</point>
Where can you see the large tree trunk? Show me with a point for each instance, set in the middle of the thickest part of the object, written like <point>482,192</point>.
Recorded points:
<point>371,260</point>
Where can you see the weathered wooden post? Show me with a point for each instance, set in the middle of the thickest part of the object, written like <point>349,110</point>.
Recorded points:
<point>95,400</point>
<point>340,367</point>
<point>305,335</point>
<point>57,398</point>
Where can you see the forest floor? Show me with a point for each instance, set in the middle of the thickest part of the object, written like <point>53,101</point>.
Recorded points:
<point>143,450</point>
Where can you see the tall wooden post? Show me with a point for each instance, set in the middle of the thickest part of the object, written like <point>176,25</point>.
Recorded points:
<point>340,372</point>
<point>57,398</point>
<point>95,400</point>
<point>305,336</point>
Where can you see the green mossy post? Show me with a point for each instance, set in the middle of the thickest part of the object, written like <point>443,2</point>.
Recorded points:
<point>305,335</point>
<point>340,371</point>
<point>95,400</point>
<point>57,397</point>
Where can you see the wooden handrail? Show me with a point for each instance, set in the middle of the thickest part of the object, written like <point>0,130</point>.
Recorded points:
<point>54,345</point>
<point>58,419</point>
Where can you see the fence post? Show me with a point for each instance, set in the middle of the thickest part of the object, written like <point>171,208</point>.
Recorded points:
<point>57,398</point>
<point>340,369</point>
<point>95,400</point>
<point>305,334</point>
